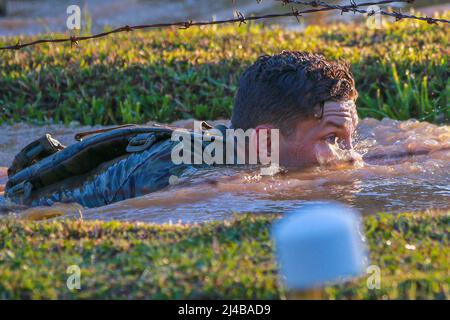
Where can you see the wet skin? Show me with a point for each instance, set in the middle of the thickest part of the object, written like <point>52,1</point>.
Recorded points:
<point>315,138</point>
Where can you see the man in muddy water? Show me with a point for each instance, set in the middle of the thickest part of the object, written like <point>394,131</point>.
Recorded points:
<point>310,99</point>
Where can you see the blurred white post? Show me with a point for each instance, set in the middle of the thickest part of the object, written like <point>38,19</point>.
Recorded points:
<point>3,7</point>
<point>317,245</point>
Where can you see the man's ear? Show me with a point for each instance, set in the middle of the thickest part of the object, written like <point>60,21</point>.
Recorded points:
<point>262,133</point>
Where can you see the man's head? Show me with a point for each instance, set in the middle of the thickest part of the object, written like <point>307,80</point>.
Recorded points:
<point>310,99</point>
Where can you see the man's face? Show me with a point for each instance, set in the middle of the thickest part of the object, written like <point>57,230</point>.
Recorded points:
<point>320,141</point>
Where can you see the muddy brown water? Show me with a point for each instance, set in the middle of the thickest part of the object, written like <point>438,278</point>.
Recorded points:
<point>409,170</point>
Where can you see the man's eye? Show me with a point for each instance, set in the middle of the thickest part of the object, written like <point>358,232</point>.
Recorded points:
<point>331,138</point>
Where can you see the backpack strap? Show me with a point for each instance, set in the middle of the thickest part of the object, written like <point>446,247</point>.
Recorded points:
<point>80,135</point>
<point>79,158</point>
<point>141,142</point>
<point>33,152</point>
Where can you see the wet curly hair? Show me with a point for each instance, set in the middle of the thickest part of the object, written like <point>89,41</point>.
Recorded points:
<point>284,88</point>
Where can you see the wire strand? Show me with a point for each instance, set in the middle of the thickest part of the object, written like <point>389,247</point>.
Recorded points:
<point>318,6</point>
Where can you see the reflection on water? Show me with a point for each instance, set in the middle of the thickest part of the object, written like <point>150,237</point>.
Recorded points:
<point>406,168</point>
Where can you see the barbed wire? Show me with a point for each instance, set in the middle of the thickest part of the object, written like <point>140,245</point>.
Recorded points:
<point>354,7</point>
<point>241,19</point>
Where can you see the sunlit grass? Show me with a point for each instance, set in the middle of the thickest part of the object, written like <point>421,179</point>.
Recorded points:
<point>231,259</point>
<point>401,72</point>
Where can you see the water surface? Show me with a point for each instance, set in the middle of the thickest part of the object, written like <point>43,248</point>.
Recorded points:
<point>407,168</point>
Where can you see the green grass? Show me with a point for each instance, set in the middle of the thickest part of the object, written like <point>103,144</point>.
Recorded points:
<point>231,259</point>
<point>401,72</point>
<point>164,75</point>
